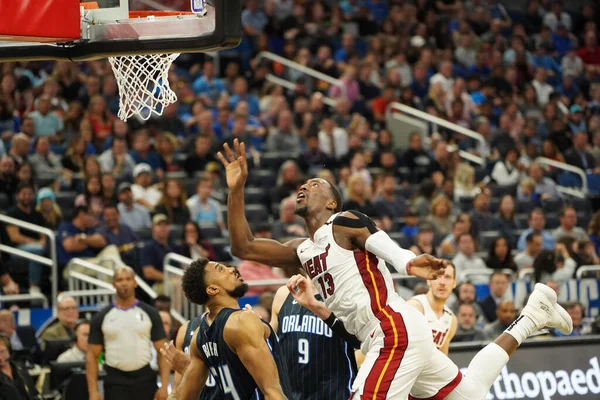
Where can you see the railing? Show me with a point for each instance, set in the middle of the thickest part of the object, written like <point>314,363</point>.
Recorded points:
<point>50,262</point>
<point>181,307</point>
<point>16,298</point>
<point>586,268</point>
<point>569,168</point>
<point>79,281</point>
<point>303,69</point>
<point>417,114</point>
<point>90,297</point>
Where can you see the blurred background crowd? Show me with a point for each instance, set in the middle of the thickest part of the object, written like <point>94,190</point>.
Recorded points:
<point>525,77</point>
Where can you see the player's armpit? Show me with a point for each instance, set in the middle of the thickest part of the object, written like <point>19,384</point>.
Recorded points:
<point>338,327</point>
<point>245,335</point>
<point>195,375</point>
<point>416,304</point>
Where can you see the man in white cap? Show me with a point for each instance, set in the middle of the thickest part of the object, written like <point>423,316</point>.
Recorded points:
<point>143,192</point>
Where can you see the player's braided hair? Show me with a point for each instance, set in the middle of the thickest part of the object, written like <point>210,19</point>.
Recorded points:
<point>193,283</point>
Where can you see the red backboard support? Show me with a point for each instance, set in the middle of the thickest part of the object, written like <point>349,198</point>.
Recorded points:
<point>44,21</point>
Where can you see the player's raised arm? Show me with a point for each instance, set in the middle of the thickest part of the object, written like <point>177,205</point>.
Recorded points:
<point>245,335</point>
<point>354,230</point>
<point>243,244</point>
<point>195,375</point>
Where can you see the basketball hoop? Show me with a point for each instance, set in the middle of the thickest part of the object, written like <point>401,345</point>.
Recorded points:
<point>143,80</point>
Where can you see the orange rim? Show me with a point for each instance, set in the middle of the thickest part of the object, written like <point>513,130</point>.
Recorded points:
<point>157,13</point>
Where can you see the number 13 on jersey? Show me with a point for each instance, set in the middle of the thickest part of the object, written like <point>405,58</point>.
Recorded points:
<point>326,283</point>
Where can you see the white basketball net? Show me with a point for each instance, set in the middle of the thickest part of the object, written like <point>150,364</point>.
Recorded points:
<point>143,82</point>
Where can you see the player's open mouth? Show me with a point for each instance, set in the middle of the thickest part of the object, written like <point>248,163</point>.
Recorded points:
<point>301,196</point>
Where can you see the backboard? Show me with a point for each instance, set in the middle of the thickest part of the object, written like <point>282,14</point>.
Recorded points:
<point>81,30</point>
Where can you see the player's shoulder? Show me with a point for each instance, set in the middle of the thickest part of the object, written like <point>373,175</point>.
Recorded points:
<point>244,326</point>
<point>416,302</point>
<point>294,243</point>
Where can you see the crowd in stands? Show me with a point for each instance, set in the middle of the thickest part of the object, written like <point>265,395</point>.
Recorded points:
<point>527,81</point>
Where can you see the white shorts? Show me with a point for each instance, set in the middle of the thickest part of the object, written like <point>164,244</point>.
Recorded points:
<point>401,362</point>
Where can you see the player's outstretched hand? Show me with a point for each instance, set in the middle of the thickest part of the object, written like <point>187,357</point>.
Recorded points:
<point>176,358</point>
<point>236,164</point>
<point>427,266</point>
<point>302,290</point>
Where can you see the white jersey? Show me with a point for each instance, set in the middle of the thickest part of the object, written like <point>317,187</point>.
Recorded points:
<point>355,285</point>
<point>439,326</point>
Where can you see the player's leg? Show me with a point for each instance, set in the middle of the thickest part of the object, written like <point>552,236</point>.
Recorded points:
<point>393,361</point>
<point>541,310</point>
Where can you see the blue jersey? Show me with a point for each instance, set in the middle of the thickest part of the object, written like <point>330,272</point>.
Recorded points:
<point>232,377</point>
<point>211,391</point>
<point>321,364</point>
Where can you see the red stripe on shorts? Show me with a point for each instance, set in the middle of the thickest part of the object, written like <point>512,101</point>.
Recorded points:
<point>395,342</point>
<point>443,392</point>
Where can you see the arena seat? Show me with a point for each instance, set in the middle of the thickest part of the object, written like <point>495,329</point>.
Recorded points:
<point>210,230</point>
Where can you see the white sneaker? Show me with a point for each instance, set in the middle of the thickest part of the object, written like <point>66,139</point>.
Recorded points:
<point>34,289</point>
<point>543,309</point>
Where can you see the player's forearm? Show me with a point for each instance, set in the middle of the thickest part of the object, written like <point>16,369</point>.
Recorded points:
<point>384,247</point>
<point>164,370</point>
<point>338,327</point>
<point>275,393</point>
<point>91,372</point>
<point>319,309</point>
<point>239,230</point>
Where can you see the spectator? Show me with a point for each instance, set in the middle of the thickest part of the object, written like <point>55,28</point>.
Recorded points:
<point>444,76</point>
<point>17,384</point>
<point>416,156</point>
<point>208,86</point>
<point>48,208</point>
<point>358,166</point>
<point>421,204</point>
<point>78,238</point>
<point>500,256</point>
<point>313,157</point>
<point>142,151</point>
<point>119,234</point>
<point>536,222</point>
<point>202,207</point>
<point>22,338</point>
<point>499,285</point>
<point>542,88</point>
<point>173,203</point>
<point>387,202</point>
<point>125,331</point>
<point>131,214</point>
<point>74,157</point>
<point>201,157</point>
<point>466,260</point>
<point>440,215</point>
<point>464,182</point>
<point>557,17</point>
<point>194,246</point>
<point>251,271</point>
<point>467,330</point>
<point>166,146</point>
<point>557,266</point>
<point>64,328</point>
<point>254,19</point>
<point>533,247</point>
<point>78,351</point>
<point>26,240</point>
<point>333,140</point>
<point>144,193</point>
<point>47,123</point>
<point>482,219</point>
<point>424,241</point>
<point>590,54</point>
<point>568,225</point>
<point>284,138</point>
<point>43,160</point>
<point>19,148</point>
<point>92,195</point>
<point>450,242</point>
<point>288,225</point>
<point>578,156</point>
<point>8,183</point>
<point>506,216</point>
<point>466,294</point>
<point>154,252</point>
<point>505,315</point>
<point>577,313</point>
<point>109,189</point>
<point>506,172</point>
<point>24,174</point>
<point>358,197</point>
<point>545,188</point>
<point>240,93</point>
<point>288,181</point>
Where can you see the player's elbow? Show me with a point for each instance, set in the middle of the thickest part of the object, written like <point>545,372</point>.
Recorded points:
<point>240,250</point>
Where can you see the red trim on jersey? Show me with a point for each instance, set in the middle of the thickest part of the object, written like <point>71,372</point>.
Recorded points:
<point>372,279</point>
<point>390,357</point>
<point>443,392</point>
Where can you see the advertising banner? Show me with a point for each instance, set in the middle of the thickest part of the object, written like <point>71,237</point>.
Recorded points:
<point>555,369</point>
